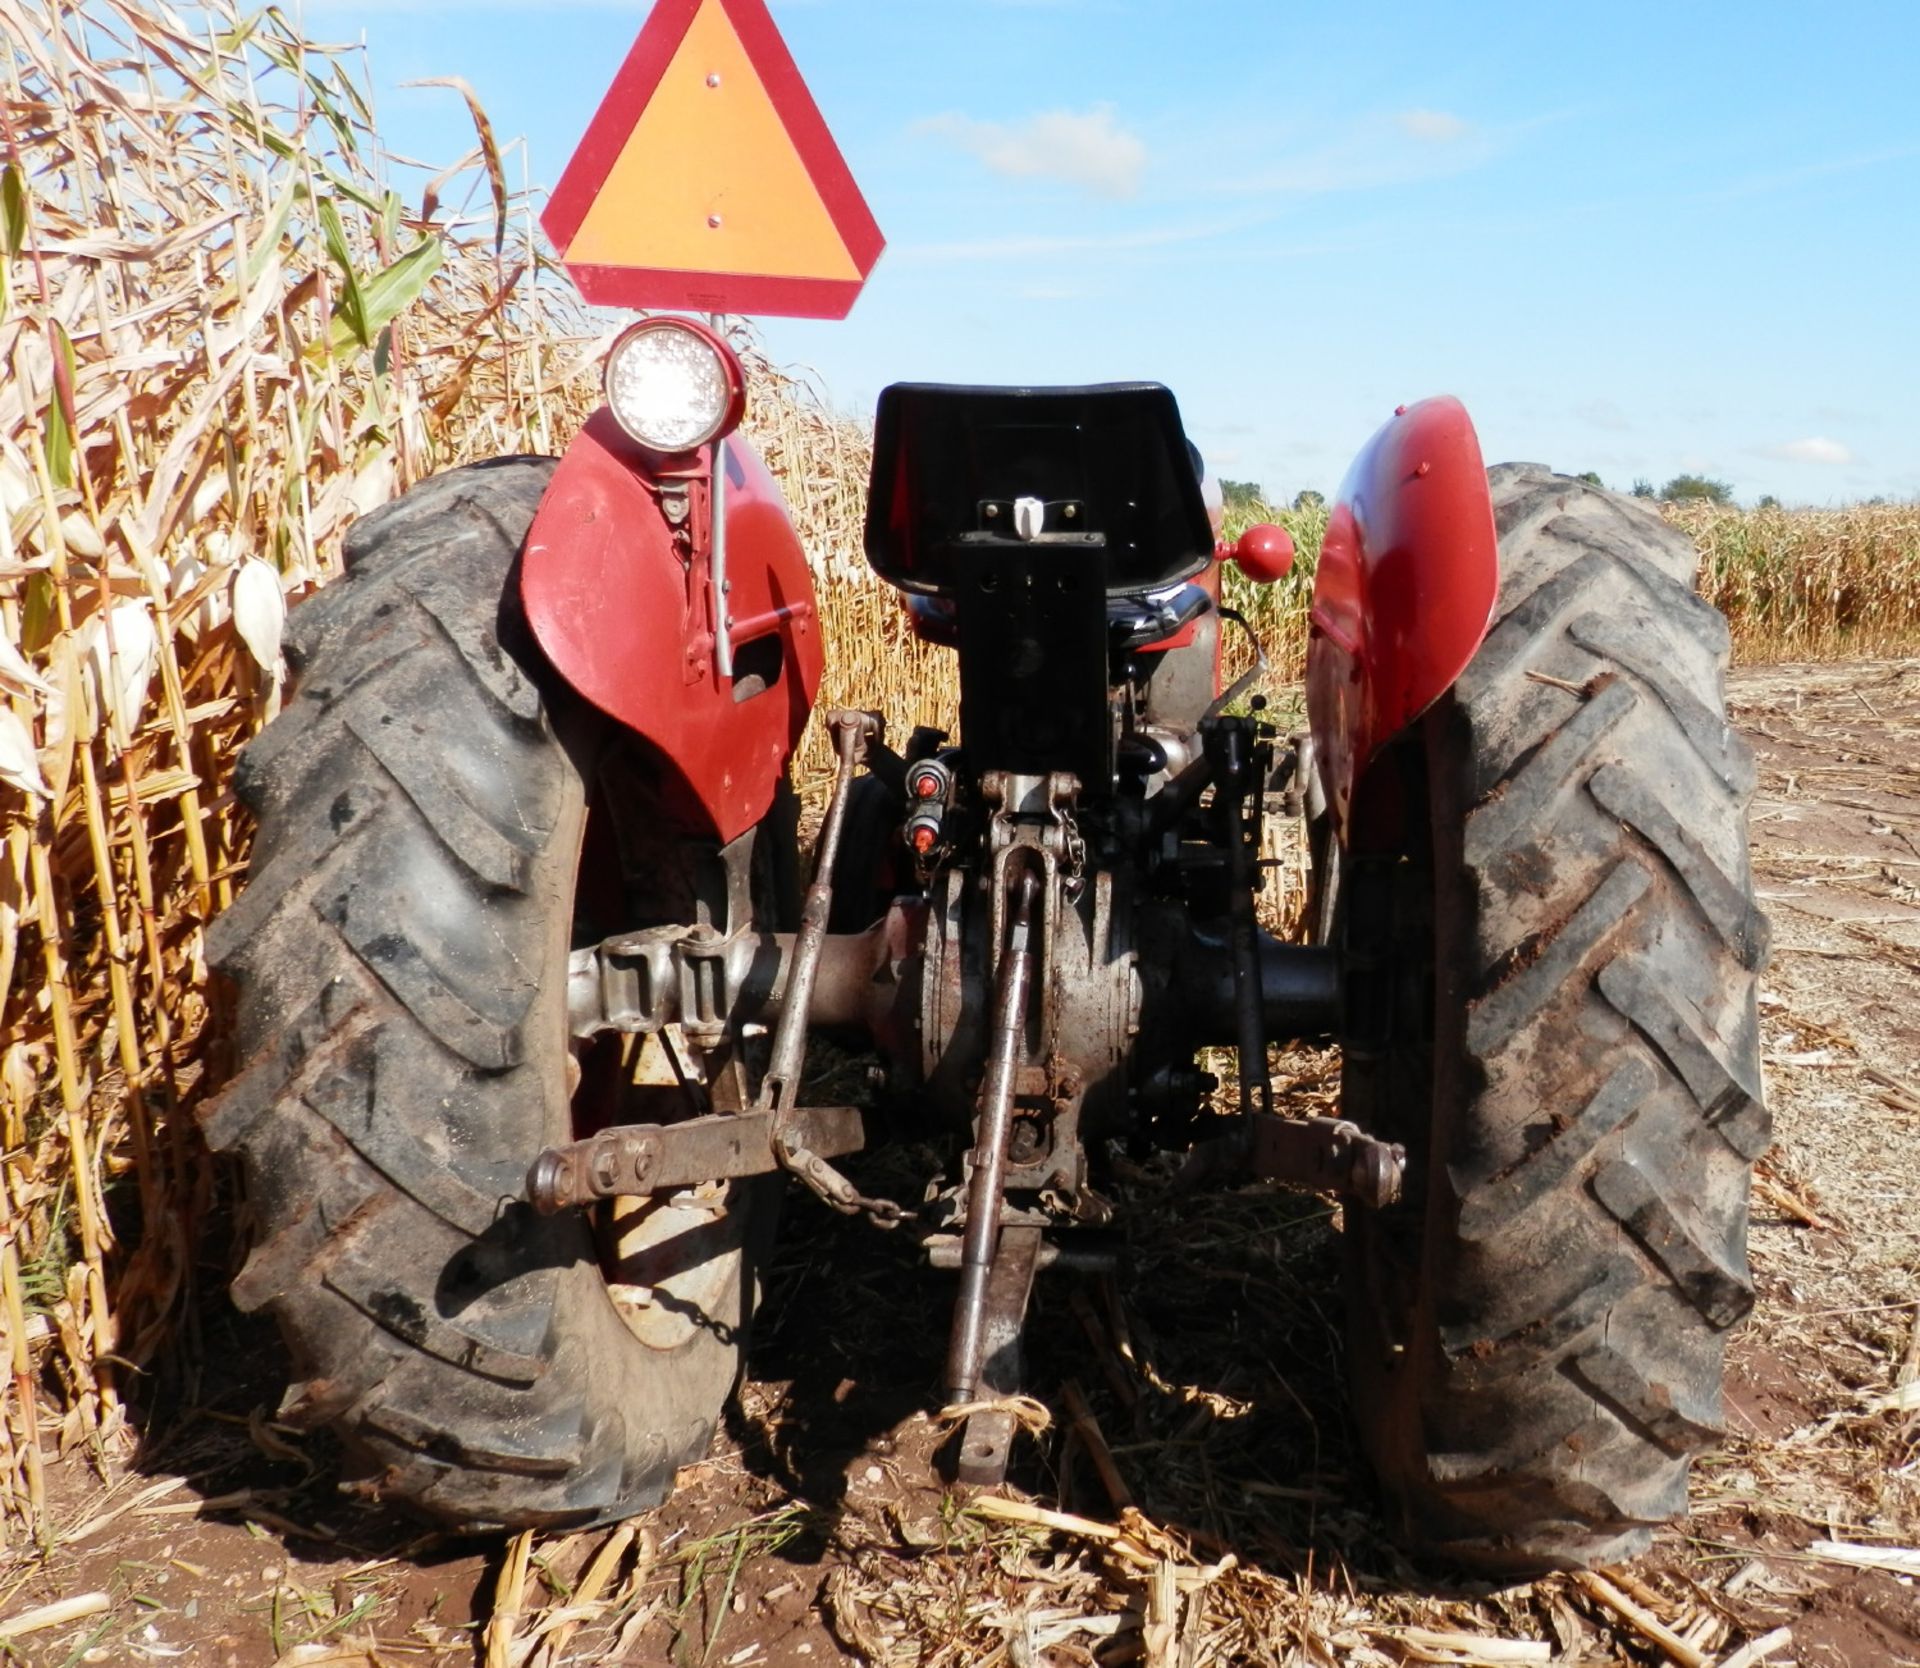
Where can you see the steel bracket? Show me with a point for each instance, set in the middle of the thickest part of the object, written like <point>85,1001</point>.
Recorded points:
<point>633,1159</point>
<point>1329,1155</point>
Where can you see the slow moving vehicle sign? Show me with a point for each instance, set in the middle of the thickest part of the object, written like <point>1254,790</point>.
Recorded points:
<point>708,180</point>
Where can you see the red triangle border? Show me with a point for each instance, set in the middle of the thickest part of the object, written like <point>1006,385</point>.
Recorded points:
<point>612,126</point>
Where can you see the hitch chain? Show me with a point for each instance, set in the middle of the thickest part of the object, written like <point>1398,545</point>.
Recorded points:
<point>779,1089</point>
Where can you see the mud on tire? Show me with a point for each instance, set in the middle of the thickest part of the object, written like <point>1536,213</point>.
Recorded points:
<point>1537,1334</point>
<point>400,957</point>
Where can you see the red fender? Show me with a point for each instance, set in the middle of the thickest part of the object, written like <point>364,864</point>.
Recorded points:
<point>625,615</point>
<point>1408,577</point>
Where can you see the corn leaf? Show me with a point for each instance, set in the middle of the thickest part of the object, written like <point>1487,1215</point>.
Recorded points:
<point>59,432</point>
<point>387,294</point>
<point>13,210</point>
<point>291,65</point>
<point>266,241</point>
<point>229,42</point>
<point>15,673</point>
<point>66,711</point>
<point>121,649</point>
<point>19,768</point>
<point>38,612</point>
<point>350,309</point>
<point>13,228</point>
<point>362,110</point>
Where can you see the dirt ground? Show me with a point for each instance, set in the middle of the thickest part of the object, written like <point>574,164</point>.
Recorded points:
<point>1232,1520</point>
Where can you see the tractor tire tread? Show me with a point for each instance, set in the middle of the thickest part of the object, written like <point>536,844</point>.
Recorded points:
<point>415,808</point>
<point>1586,1203</point>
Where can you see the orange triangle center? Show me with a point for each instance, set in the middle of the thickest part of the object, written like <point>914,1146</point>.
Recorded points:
<point>710,180</point>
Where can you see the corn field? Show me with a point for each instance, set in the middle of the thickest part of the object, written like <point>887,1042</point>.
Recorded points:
<point>1811,584</point>
<point>226,331</point>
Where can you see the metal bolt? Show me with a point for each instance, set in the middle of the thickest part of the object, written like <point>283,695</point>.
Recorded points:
<point>992,511</point>
<point>1072,511</point>
<point>713,80</point>
<point>644,1156</point>
<point>1378,1174</point>
<point>547,1182</point>
<point>713,220</point>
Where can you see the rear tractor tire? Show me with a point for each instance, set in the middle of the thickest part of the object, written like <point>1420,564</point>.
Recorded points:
<point>400,955</point>
<point>1569,1050</point>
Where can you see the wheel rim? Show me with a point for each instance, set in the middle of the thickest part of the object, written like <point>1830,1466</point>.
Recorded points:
<point>672,1261</point>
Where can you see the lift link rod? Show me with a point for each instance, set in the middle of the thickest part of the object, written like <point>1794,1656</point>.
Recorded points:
<point>780,1087</point>
<point>982,1242</point>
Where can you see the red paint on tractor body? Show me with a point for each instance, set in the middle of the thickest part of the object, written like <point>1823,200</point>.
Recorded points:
<point>1409,573</point>
<point>624,612</point>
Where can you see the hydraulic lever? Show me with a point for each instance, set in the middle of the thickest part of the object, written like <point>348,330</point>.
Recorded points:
<point>780,1088</point>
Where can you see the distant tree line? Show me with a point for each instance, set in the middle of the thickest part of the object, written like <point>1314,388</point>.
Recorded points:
<point>1251,496</point>
<point>1680,489</point>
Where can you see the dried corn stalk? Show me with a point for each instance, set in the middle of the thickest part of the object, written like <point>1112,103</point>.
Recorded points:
<point>225,333</point>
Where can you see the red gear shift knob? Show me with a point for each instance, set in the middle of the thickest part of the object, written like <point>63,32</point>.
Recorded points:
<point>1265,553</point>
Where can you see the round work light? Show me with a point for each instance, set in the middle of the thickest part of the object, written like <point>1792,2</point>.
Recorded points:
<point>674,385</point>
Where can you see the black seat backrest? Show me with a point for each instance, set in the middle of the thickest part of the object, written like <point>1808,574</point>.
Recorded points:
<point>1110,463</point>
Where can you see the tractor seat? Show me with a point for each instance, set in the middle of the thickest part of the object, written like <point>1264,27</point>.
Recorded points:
<point>1096,480</point>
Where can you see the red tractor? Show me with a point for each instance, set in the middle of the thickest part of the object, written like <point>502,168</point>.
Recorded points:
<point>526,977</point>
<point>526,980</point>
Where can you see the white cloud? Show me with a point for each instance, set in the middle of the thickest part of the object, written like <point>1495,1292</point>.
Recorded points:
<point>1815,448</point>
<point>1089,149</point>
<point>1433,127</point>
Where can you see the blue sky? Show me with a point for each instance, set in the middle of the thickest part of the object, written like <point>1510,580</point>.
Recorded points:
<point>1633,238</point>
